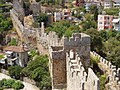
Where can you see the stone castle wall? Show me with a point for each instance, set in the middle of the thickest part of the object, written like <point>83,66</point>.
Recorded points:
<point>62,69</point>
<point>58,67</point>
<point>79,43</point>
<point>18,7</point>
<point>22,31</point>
<point>77,77</point>
<point>16,23</point>
<point>113,74</point>
<point>71,66</point>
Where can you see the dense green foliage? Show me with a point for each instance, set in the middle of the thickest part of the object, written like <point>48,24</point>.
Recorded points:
<point>43,17</point>
<point>112,11</point>
<point>5,20</point>
<point>78,12</point>
<point>63,28</point>
<point>96,40</point>
<point>2,1</point>
<point>38,70</point>
<point>13,42</point>
<point>94,11</point>
<point>33,53</point>
<point>53,2</point>
<point>98,72</point>
<point>112,49</point>
<point>102,82</point>
<point>1,56</point>
<point>89,22</point>
<point>15,71</point>
<point>107,44</point>
<point>10,83</point>
<point>17,85</point>
<point>5,23</point>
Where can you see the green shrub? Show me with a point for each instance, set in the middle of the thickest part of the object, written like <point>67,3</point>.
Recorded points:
<point>38,70</point>
<point>17,85</point>
<point>13,42</point>
<point>14,71</point>
<point>102,82</point>
<point>1,56</point>
<point>10,83</point>
<point>2,82</point>
<point>94,59</point>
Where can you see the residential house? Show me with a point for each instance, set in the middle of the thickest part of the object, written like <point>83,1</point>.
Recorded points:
<point>66,14</point>
<point>105,22</point>
<point>108,4</point>
<point>57,16</point>
<point>116,3</point>
<point>16,55</point>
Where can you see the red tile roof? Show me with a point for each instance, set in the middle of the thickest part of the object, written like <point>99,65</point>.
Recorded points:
<point>15,49</point>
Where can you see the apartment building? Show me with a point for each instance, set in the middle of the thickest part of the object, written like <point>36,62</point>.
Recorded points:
<point>116,3</point>
<point>105,22</point>
<point>107,4</point>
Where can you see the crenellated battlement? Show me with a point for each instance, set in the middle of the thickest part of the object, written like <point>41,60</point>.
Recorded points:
<point>111,71</point>
<point>68,57</point>
<point>23,31</point>
<point>77,77</point>
<point>59,58</point>
<point>77,39</point>
<point>52,39</point>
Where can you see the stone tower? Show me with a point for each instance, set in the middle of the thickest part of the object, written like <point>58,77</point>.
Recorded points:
<point>79,43</point>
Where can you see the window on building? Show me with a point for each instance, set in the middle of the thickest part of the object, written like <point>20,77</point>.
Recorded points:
<point>100,22</point>
<point>100,18</point>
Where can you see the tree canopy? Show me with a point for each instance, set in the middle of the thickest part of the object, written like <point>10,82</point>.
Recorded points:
<point>37,69</point>
<point>13,42</point>
<point>63,28</point>
<point>112,11</point>
<point>5,23</point>
<point>15,71</point>
<point>10,83</point>
<point>43,17</point>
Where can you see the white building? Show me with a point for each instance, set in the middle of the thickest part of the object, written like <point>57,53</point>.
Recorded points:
<point>107,4</point>
<point>57,16</point>
<point>116,24</point>
<point>105,22</point>
<point>116,3</point>
<point>16,55</point>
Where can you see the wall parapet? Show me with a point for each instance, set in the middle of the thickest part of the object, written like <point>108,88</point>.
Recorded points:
<point>23,31</point>
<point>113,72</point>
<point>77,77</point>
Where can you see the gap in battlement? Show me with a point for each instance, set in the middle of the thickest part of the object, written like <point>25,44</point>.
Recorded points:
<point>57,48</point>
